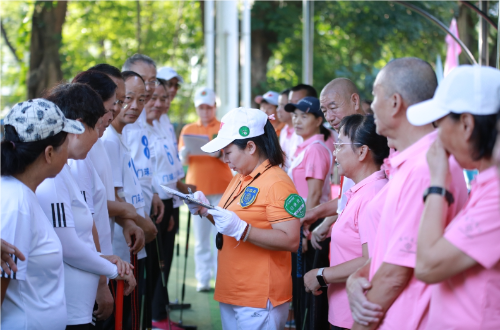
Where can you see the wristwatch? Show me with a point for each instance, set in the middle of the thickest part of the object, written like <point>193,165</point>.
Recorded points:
<point>440,191</point>
<point>320,278</point>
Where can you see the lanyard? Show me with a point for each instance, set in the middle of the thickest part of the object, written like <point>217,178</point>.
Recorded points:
<point>226,205</point>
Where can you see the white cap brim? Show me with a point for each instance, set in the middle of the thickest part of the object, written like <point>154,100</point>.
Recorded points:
<point>216,144</point>
<point>426,112</point>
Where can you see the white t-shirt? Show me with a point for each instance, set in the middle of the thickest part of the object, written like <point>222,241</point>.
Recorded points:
<point>136,137</point>
<point>289,145</point>
<point>346,185</point>
<point>166,126</point>
<point>163,156</point>
<point>101,163</point>
<point>95,195</point>
<point>125,178</point>
<point>35,295</point>
<point>63,202</point>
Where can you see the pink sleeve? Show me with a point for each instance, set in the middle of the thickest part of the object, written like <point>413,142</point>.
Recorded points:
<point>402,246</point>
<point>476,230</point>
<point>317,162</point>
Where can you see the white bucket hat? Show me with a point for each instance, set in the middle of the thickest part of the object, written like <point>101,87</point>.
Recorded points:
<point>470,89</point>
<point>38,119</point>
<point>239,123</point>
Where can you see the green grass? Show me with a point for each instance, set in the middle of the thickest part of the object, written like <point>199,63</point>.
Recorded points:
<point>204,312</point>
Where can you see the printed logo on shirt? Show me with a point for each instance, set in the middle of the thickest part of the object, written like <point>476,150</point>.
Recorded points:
<point>58,215</point>
<point>137,199</point>
<point>169,155</point>
<point>145,143</point>
<point>295,206</point>
<point>255,314</point>
<point>249,196</point>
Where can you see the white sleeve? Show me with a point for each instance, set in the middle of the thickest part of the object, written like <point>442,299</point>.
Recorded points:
<point>81,171</point>
<point>115,159</point>
<point>16,231</point>
<point>55,200</point>
<point>79,255</point>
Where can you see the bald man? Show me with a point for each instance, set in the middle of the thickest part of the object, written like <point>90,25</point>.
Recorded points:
<point>338,99</point>
<point>395,298</point>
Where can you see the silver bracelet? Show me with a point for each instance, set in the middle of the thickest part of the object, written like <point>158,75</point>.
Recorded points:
<point>248,233</point>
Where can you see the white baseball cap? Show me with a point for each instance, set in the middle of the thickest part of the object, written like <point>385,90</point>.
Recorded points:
<point>470,89</point>
<point>271,97</point>
<point>204,95</point>
<point>168,73</point>
<point>38,119</point>
<point>239,123</point>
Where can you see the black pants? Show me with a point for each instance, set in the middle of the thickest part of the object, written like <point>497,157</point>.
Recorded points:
<point>316,306</point>
<point>160,297</point>
<point>79,327</point>
<point>334,327</point>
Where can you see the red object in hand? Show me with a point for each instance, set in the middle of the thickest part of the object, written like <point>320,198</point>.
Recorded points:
<point>119,305</point>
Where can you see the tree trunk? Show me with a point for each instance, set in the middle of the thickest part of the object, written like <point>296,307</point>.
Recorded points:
<point>46,35</point>
<point>261,53</point>
<point>466,29</point>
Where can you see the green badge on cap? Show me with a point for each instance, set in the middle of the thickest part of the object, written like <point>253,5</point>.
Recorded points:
<point>244,131</point>
<point>295,206</point>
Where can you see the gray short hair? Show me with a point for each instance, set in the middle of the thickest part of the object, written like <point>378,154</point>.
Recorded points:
<point>412,78</point>
<point>137,58</point>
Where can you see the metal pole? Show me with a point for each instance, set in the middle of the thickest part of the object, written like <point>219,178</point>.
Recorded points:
<point>440,24</point>
<point>246,64</point>
<point>307,41</point>
<point>498,38</point>
<point>483,35</point>
<point>209,43</point>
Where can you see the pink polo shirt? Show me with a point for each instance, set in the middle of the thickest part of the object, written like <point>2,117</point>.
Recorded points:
<point>471,299</point>
<point>373,210</point>
<point>316,164</point>
<point>396,240</point>
<point>347,238</point>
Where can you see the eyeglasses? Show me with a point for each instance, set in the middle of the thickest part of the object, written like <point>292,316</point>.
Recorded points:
<point>339,145</point>
<point>122,104</point>
<point>152,83</point>
<point>171,84</point>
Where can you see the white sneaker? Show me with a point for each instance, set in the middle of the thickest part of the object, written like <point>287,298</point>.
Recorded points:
<point>203,287</point>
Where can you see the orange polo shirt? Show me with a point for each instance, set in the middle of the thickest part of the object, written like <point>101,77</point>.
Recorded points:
<point>248,275</point>
<point>210,175</point>
<point>278,128</point>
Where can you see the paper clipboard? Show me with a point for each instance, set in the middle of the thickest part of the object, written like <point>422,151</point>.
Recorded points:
<point>186,197</point>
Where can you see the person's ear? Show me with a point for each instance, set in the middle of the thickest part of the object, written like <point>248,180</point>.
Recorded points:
<point>49,154</point>
<point>356,101</point>
<point>397,105</point>
<point>319,121</point>
<point>251,147</point>
<point>467,125</point>
<point>362,153</point>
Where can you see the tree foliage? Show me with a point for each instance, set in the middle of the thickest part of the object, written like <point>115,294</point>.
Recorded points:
<point>352,39</point>
<point>110,31</point>
<point>355,39</point>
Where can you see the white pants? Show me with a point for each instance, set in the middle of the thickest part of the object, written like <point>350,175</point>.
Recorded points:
<point>249,318</point>
<point>205,252</point>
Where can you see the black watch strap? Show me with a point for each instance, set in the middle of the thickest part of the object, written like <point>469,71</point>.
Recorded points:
<point>320,278</point>
<point>440,191</point>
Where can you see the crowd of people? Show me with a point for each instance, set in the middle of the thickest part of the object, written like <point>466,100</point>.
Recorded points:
<point>404,244</point>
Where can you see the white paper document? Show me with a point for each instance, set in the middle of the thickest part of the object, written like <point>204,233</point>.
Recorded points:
<point>193,143</point>
<point>185,197</point>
